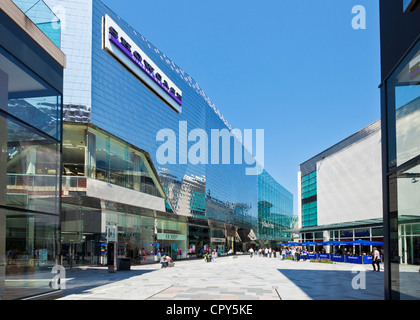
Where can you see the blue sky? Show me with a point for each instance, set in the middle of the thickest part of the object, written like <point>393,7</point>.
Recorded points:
<point>296,69</point>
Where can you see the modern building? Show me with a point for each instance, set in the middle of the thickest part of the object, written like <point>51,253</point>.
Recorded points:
<point>31,86</point>
<point>149,162</point>
<point>339,191</point>
<point>400,113</point>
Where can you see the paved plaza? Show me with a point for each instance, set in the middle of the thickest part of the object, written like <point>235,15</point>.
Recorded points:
<point>228,278</point>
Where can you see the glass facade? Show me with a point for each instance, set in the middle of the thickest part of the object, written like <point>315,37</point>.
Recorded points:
<point>30,140</point>
<point>309,200</point>
<point>221,192</point>
<point>216,206</point>
<point>274,207</point>
<point>94,153</point>
<point>403,174</point>
<point>91,153</point>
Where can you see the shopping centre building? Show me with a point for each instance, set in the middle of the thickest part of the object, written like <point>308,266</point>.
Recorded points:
<point>31,86</point>
<point>142,167</point>
<point>340,193</point>
<point>400,113</point>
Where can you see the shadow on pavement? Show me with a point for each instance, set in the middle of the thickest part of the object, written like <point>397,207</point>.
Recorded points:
<point>79,281</point>
<point>337,284</point>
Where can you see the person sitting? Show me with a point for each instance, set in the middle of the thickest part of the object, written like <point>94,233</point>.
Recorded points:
<point>164,261</point>
<point>207,257</point>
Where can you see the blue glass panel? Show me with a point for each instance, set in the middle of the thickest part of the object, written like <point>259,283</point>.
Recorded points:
<point>43,17</point>
<point>117,102</point>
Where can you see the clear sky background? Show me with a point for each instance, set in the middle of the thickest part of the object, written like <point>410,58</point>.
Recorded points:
<point>296,69</point>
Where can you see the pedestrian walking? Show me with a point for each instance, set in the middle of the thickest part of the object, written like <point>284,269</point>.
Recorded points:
<point>293,253</point>
<point>213,256</point>
<point>375,259</point>
<point>251,252</point>
<point>304,254</point>
<point>298,254</point>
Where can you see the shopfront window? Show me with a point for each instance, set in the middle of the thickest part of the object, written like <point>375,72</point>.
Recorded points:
<point>218,241</point>
<point>135,236</point>
<point>198,241</point>
<point>172,238</point>
<point>31,250</point>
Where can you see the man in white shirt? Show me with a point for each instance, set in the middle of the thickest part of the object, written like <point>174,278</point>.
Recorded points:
<point>375,259</point>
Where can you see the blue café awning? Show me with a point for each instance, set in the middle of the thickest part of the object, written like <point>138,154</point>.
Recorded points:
<point>366,243</point>
<point>306,243</point>
<point>335,243</point>
<point>310,243</point>
<point>291,244</point>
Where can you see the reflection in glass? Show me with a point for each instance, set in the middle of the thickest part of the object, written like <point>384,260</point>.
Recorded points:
<point>31,252</point>
<point>274,206</point>
<point>31,99</point>
<point>89,152</point>
<point>43,17</point>
<point>403,111</point>
<point>32,170</point>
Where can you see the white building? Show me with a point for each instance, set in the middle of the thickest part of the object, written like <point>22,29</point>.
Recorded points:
<point>340,190</point>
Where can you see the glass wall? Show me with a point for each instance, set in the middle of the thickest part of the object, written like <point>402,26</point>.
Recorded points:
<point>32,247</point>
<point>403,130</point>
<point>309,200</point>
<point>219,192</point>
<point>91,152</point>
<point>43,17</point>
<point>30,133</point>
<point>136,235</point>
<point>275,207</point>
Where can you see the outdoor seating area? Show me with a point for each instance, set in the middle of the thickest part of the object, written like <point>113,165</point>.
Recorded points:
<point>338,255</point>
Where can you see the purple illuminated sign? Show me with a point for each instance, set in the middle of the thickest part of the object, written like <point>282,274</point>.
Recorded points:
<point>144,69</point>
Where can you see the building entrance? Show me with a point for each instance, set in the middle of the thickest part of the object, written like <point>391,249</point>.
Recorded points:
<point>170,249</point>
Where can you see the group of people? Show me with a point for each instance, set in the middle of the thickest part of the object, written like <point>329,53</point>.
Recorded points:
<point>210,257</point>
<point>298,253</point>
<point>266,253</point>
<point>269,252</point>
